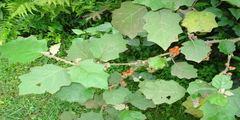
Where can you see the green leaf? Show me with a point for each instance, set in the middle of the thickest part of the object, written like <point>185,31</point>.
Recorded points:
<point>161,91</point>
<point>75,93</point>
<point>222,82</point>
<point>128,19</point>
<point>189,104</point>
<point>99,99</point>
<point>23,49</point>
<point>77,31</point>
<point>226,46</point>
<point>90,103</point>
<point>157,63</point>
<point>199,86</point>
<point>138,100</point>
<point>225,21</point>
<point>183,70</point>
<point>91,116</point>
<point>131,115</point>
<point>134,42</point>
<point>115,96</point>
<point>115,79</point>
<point>236,29</point>
<point>46,78</point>
<point>195,50</point>
<point>218,99</point>
<point>199,21</point>
<point>80,49</point>
<point>108,47</point>
<point>215,11</point>
<point>172,4</point>
<point>163,27</point>
<point>106,27</point>
<point>67,115</point>
<point>235,12</point>
<point>215,112</point>
<point>113,114</point>
<point>89,74</point>
<point>233,2</point>
<point>235,99</point>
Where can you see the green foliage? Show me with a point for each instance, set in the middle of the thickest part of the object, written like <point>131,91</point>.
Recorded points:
<point>227,47</point>
<point>157,63</point>
<point>183,70</point>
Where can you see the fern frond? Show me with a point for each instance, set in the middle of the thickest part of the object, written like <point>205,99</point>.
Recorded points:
<point>21,7</point>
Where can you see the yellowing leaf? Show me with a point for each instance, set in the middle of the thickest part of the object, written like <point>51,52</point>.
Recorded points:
<point>54,49</point>
<point>128,19</point>
<point>162,27</point>
<point>200,21</point>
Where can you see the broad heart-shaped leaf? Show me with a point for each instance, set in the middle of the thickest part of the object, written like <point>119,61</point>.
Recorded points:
<point>115,96</point>
<point>131,115</point>
<point>183,70</point>
<point>162,27</point>
<point>89,74</point>
<point>199,21</point>
<point>138,100</point>
<point>226,46</point>
<point>233,2</point>
<point>195,50</point>
<point>108,47</point>
<point>202,87</point>
<point>217,99</point>
<point>128,19</point>
<point>157,63</point>
<point>222,82</point>
<point>172,4</point>
<point>91,116</point>
<point>46,78</point>
<point>235,99</point>
<point>215,112</point>
<point>75,93</point>
<point>23,49</point>
<point>80,49</point>
<point>161,91</point>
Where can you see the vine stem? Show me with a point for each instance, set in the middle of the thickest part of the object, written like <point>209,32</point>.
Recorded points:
<point>57,58</point>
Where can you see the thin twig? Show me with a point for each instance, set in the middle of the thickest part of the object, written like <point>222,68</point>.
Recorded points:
<point>57,58</point>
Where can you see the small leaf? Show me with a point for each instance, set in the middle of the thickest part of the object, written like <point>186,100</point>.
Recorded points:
<point>162,27</point>
<point>106,27</point>
<point>23,49</point>
<point>77,31</point>
<point>222,82</point>
<point>236,29</point>
<point>119,107</point>
<point>108,47</point>
<point>233,2</point>
<point>91,116</point>
<point>183,70</point>
<point>218,99</point>
<point>215,11</point>
<point>115,79</point>
<point>89,74</point>
<point>199,86</point>
<point>67,115</point>
<point>46,78</point>
<point>161,91</point>
<point>54,49</point>
<point>235,12</point>
<point>90,103</point>
<point>195,50</point>
<point>228,93</point>
<point>157,63</point>
<point>128,19</point>
<point>115,96</point>
<point>131,115</point>
<point>199,21</point>
<point>75,93</point>
<point>196,112</point>
<point>226,46</point>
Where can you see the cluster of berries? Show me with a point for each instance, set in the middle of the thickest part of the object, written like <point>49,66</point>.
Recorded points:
<point>174,51</point>
<point>125,75</point>
<point>229,68</point>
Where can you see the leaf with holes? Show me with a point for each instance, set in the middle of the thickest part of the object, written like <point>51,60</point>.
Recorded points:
<point>172,4</point>
<point>199,21</point>
<point>131,115</point>
<point>161,91</point>
<point>183,70</point>
<point>128,19</point>
<point>226,46</point>
<point>162,27</point>
<point>195,50</point>
<point>109,46</point>
<point>23,49</point>
<point>80,49</point>
<point>115,96</point>
<point>46,78</point>
<point>89,74</point>
<point>75,93</point>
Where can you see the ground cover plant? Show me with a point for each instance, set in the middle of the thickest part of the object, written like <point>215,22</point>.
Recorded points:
<point>151,54</point>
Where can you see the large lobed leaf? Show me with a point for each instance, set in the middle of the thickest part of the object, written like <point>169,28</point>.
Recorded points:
<point>129,19</point>
<point>200,87</point>
<point>162,27</point>
<point>183,70</point>
<point>108,47</point>
<point>24,49</point>
<point>89,74</point>
<point>195,50</point>
<point>46,78</point>
<point>161,91</point>
<point>115,96</point>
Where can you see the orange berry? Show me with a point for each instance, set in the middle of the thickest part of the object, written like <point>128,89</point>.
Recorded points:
<point>232,68</point>
<point>229,73</point>
<point>124,73</point>
<point>123,83</point>
<point>128,71</point>
<point>225,64</point>
<point>176,47</point>
<point>122,76</point>
<point>131,70</point>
